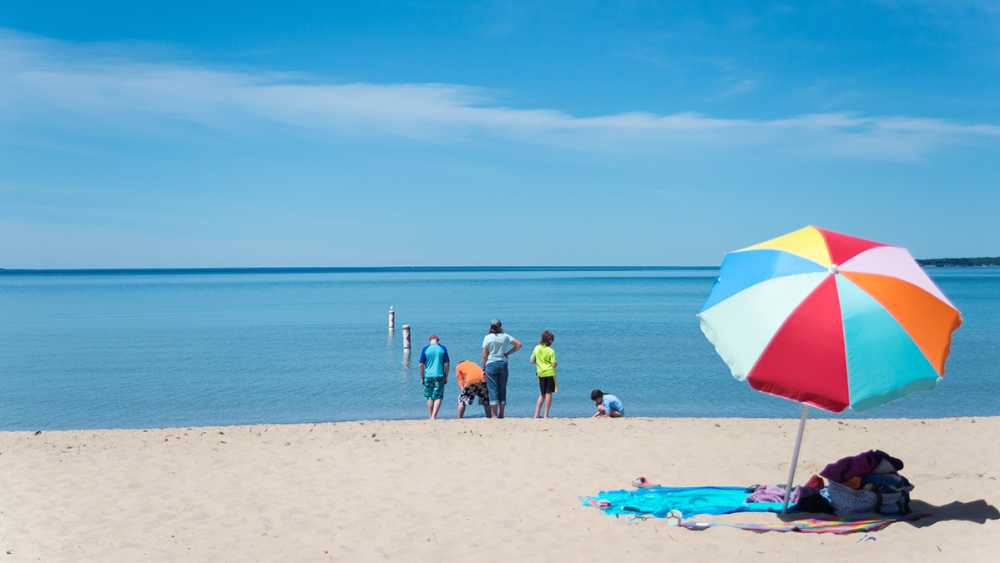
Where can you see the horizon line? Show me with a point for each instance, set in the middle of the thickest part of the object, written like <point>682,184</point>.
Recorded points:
<point>344,269</point>
<point>397,269</point>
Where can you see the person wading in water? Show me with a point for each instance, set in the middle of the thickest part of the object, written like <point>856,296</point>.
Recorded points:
<point>497,347</point>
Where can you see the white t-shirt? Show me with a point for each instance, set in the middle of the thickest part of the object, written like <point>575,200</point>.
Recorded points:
<point>497,346</point>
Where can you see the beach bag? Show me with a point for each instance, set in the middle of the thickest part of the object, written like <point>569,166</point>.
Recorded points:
<point>846,500</point>
<point>893,492</point>
<point>894,503</point>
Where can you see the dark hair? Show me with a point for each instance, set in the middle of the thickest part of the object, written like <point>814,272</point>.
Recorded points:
<point>596,395</point>
<point>547,338</point>
<point>496,327</point>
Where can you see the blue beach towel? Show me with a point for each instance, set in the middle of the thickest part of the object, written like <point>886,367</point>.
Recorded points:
<point>659,501</point>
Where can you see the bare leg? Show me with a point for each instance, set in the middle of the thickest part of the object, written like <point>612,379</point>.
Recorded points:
<point>435,409</point>
<point>461,409</point>
<point>430,408</point>
<point>614,414</point>
<point>548,404</point>
<point>538,406</point>
<point>495,409</point>
<point>486,410</point>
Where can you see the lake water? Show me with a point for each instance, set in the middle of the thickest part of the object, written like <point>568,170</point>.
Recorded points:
<point>151,349</point>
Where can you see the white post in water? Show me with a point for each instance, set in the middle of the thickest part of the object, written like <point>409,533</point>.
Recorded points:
<point>392,318</point>
<point>406,337</point>
<point>795,456</point>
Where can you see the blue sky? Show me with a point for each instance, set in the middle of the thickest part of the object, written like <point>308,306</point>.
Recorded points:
<point>391,133</point>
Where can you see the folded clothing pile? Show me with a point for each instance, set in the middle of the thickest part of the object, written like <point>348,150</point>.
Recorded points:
<point>866,483</point>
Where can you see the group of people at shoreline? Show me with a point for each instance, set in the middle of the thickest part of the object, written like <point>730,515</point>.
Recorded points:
<point>487,380</point>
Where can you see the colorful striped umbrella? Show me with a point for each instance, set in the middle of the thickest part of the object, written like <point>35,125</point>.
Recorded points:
<point>829,320</point>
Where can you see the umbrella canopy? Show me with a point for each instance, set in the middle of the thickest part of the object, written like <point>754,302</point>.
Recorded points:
<point>829,320</point>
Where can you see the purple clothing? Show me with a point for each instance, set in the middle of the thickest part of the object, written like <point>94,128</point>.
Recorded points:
<point>773,493</point>
<point>858,466</point>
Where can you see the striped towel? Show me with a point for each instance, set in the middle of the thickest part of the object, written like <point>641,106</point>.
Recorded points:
<point>811,525</point>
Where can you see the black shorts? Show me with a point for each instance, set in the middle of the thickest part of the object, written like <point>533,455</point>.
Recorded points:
<point>469,394</point>
<point>546,385</point>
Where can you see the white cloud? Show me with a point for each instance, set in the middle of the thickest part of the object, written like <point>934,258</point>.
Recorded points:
<point>91,86</point>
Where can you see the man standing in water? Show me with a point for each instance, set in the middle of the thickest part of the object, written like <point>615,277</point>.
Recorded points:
<point>497,347</point>
<point>434,364</point>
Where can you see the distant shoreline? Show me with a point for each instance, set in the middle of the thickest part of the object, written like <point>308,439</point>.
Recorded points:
<point>926,262</point>
<point>347,270</point>
<point>959,262</point>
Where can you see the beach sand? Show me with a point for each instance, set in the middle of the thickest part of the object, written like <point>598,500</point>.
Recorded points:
<point>476,489</point>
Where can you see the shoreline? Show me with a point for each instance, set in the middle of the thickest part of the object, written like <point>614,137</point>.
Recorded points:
<point>449,419</point>
<point>415,489</point>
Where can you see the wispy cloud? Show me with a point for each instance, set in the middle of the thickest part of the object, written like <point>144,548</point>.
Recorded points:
<point>51,81</point>
<point>738,88</point>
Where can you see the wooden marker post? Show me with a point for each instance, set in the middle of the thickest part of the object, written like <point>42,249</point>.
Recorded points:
<point>392,319</point>
<point>406,337</point>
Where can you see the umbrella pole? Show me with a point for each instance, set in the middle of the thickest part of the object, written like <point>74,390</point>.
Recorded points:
<point>795,456</point>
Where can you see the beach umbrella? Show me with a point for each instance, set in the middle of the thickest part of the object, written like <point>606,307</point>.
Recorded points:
<point>830,321</point>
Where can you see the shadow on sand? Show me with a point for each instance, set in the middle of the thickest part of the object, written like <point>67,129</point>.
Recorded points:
<point>978,511</point>
<point>922,514</point>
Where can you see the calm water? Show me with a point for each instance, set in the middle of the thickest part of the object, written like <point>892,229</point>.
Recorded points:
<point>140,349</point>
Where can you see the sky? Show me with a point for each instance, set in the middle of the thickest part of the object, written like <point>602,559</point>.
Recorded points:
<point>172,134</point>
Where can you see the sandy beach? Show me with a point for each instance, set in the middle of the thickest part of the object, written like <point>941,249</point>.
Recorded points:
<point>466,490</point>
